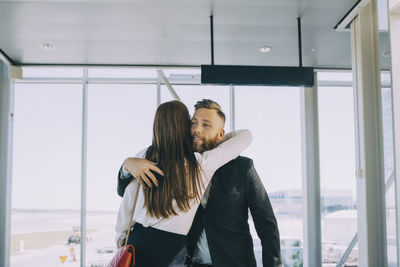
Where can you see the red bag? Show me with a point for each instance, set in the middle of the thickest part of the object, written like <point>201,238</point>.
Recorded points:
<point>125,257</point>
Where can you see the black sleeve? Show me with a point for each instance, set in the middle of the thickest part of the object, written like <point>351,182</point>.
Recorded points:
<point>264,218</point>
<point>122,182</point>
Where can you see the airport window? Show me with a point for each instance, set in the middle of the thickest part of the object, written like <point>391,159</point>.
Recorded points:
<point>47,151</point>
<point>122,73</point>
<point>386,63</point>
<point>46,177</point>
<point>120,124</point>
<point>337,172</point>
<point>48,72</point>
<point>345,76</point>
<point>388,152</point>
<point>272,113</point>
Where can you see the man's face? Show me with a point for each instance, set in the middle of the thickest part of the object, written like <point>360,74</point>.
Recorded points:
<point>207,129</point>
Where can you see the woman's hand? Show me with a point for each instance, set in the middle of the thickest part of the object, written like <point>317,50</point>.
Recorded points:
<point>141,170</point>
<point>121,239</point>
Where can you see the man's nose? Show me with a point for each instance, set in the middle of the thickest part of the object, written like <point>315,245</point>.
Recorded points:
<point>196,129</point>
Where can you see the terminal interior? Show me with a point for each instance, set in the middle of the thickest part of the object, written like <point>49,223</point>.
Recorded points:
<point>317,82</point>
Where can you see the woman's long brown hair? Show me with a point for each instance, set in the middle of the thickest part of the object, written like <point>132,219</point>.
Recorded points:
<point>172,150</point>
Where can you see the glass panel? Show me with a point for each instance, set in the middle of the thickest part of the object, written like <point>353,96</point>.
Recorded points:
<point>383,15</point>
<point>383,26</point>
<point>122,73</point>
<point>391,227</point>
<point>120,123</point>
<point>272,114</point>
<point>190,94</point>
<point>387,119</point>
<point>337,165</point>
<point>40,72</point>
<point>174,73</point>
<point>183,73</point>
<point>386,79</point>
<point>46,178</point>
<point>388,151</point>
<point>334,76</point>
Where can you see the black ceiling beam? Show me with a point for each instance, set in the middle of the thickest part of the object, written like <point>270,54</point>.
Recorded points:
<point>212,38</point>
<point>257,75</point>
<point>299,42</point>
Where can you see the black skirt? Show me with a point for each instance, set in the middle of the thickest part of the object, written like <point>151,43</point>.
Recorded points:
<point>157,248</point>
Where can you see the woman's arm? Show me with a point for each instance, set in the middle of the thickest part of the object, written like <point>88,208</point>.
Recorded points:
<point>125,210</point>
<point>233,144</point>
<point>141,169</point>
<point>138,168</point>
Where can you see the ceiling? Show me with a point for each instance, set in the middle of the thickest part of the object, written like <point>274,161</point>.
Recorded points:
<point>174,32</point>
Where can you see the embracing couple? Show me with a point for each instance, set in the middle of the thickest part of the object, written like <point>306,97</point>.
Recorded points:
<point>193,192</point>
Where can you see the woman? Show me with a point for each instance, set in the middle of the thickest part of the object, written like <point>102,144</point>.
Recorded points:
<point>164,214</point>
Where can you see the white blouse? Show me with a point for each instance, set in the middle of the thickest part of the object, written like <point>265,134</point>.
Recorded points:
<point>209,162</point>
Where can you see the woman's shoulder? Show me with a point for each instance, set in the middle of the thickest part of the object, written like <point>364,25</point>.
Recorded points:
<point>142,153</point>
<point>199,157</point>
<point>132,186</point>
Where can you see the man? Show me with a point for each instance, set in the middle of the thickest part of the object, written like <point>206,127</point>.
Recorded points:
<point>220,234</point>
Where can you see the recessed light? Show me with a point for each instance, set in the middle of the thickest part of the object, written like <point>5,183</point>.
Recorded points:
<point>47,46</point>
<point>265,49</point>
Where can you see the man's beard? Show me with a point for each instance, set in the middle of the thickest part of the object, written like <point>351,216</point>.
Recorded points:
<point>206,144</point>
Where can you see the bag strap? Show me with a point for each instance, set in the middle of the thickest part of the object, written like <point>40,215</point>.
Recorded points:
<point>132,213</point>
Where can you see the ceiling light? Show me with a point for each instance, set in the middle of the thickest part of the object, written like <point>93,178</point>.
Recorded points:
<point>265,49</point>
<point>47,46</point>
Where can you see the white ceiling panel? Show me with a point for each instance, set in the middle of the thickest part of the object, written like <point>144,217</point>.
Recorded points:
<point>175,32</point>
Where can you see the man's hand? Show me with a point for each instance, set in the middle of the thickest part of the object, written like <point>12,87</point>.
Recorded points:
<point>141,170</point>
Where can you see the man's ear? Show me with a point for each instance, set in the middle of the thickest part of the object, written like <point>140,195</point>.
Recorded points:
<point>221,134</point>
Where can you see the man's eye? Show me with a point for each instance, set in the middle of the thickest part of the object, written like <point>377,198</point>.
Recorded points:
<point>193,123</point>
<point>206,125</point>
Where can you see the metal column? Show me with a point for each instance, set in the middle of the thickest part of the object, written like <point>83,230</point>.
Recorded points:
<point>168,85</point>
<point>84,167</point>
<point>158,89</point>
<point>232,106</point>
<point>6,140</point>
<point>311,177</point>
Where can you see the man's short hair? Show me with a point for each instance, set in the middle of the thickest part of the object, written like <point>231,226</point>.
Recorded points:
<point>210,104</point>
